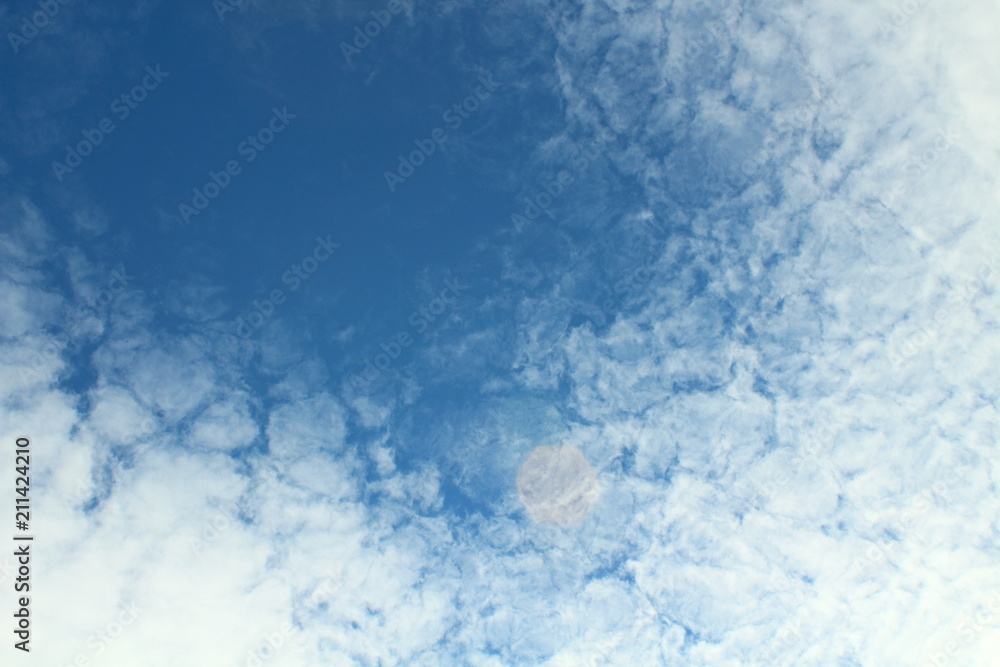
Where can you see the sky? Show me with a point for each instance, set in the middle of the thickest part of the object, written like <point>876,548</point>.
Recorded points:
<point>572,332</point>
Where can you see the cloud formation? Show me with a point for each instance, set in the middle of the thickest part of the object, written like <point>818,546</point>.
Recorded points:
<point>783,379</point>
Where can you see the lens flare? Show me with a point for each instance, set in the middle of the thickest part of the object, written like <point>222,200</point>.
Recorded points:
<point>557,485</point>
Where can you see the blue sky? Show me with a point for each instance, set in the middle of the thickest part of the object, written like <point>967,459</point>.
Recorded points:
<point>522,333</point>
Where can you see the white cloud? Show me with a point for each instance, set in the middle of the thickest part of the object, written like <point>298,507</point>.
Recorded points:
<point>776,418</point>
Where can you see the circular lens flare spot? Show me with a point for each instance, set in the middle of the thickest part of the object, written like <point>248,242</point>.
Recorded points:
<point>557,485</point>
